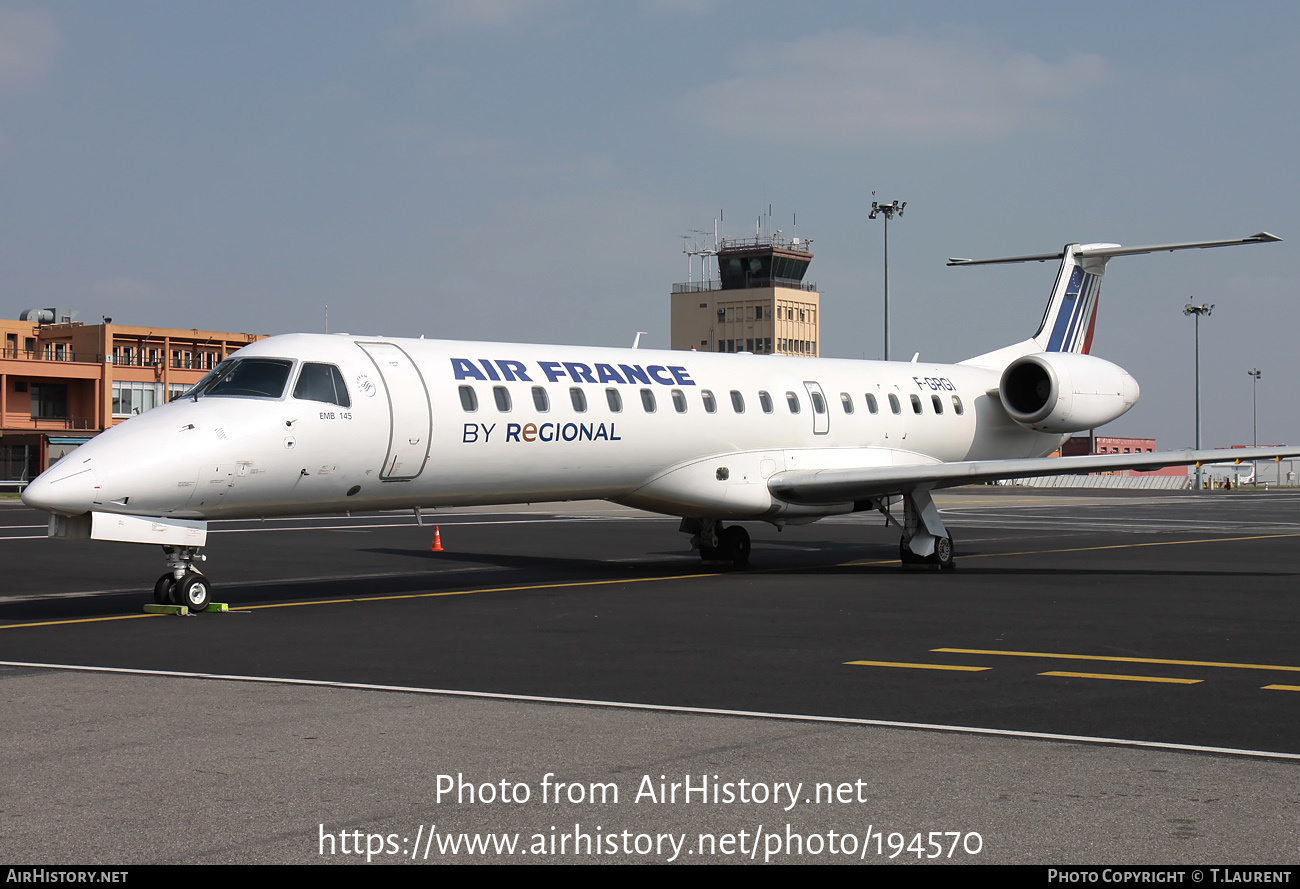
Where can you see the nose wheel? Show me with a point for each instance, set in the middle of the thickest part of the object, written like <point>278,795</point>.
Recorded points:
<point>192,591</point>
<point>162,590</point>
<point>183,584</point>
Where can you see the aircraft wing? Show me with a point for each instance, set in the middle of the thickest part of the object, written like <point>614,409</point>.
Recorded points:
<point>818,486</point>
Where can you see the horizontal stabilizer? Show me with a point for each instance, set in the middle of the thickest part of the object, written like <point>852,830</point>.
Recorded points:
<point>1108,250</point>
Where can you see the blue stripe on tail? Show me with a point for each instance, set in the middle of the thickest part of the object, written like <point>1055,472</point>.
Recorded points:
<point>1065,314</point>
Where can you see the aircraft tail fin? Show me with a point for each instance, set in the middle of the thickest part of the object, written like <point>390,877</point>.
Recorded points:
<point>1071,314</point>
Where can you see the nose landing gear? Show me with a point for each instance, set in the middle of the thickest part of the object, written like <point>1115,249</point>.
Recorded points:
<point>183,584</point>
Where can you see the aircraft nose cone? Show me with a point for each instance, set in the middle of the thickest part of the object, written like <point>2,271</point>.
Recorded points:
<point>70,492</point>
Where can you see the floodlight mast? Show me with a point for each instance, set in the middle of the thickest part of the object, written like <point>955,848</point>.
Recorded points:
<point>888,211</point>
<point>1197,312</point>
<point>1255,374</point>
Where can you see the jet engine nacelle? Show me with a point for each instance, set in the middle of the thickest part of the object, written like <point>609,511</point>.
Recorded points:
<point>1065,391</point>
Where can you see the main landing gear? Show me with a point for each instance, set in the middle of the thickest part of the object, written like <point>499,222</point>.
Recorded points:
<point>716,543</point>
<point>925,541</point>
<point>183,584</point>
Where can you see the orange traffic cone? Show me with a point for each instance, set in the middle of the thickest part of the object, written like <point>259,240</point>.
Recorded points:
<point>437,541</point>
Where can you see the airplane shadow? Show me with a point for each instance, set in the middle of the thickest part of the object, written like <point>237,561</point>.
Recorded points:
<point>445,572</point>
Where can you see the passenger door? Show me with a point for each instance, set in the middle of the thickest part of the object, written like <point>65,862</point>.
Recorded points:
<point>410,419</point>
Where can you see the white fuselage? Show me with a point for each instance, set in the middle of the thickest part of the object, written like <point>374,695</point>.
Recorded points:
<point>407,439</point>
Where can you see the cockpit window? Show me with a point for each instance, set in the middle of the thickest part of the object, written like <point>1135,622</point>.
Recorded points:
<point>246,377</point>
<point>322,382</point>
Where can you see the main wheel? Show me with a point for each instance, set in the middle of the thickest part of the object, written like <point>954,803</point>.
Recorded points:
<point>162,590</point>
<point>192,591</point>
<point>735,545</point>
<point>906,556</point>
<point>943,554</point>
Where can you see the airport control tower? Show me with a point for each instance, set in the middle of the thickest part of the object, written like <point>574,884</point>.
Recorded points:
<point>759,301</point>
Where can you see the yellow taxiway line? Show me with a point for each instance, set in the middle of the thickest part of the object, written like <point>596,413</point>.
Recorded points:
<point>915,666</point>
<point>1118,676</point>
<point>504,589</point>
<point>1116,659</point>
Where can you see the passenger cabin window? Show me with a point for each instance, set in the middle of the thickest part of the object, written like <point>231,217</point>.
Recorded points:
<point>871,403</point>
<point>648,400</point>
<point>957,406</point>
<point>737,402</point>
<point>938,403</point>
<point>846,402</point>
<point>894,405</point>
<point>710,403</point>
<point>916,404</point>
<point>615,400</point>
<point>819,403</point>
<point>679,401</point>
<point>579,399</point>
<point>468,400</point>
<point>793,401</point>
<point>321,382</point>
<point>541,401</point>
<point>502,397</point>
<point>247,378</point>
<point>765,401</point>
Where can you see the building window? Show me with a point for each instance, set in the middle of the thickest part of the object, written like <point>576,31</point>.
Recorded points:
<point>50,401</point>
<point>131,398</point>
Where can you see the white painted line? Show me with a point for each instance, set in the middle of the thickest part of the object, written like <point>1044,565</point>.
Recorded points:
<point>665,708</point>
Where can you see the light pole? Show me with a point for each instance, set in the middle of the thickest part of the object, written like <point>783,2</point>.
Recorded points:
<point>888,211</point>
<point>1254,374</point>
<point>1198,311</point>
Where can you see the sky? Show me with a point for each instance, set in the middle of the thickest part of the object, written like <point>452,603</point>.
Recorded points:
<point>524,170</point>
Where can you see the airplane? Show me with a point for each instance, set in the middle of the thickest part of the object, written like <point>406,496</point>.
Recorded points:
<point>314,423</point>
